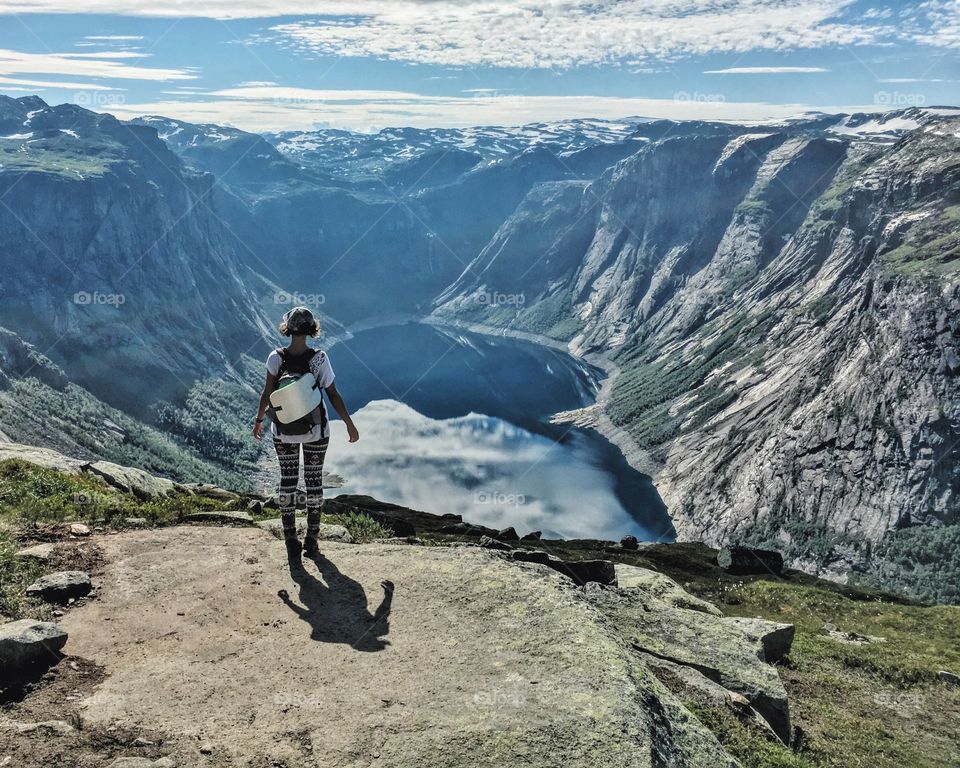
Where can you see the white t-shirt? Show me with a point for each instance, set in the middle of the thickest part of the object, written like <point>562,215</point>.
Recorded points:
<point>321,368</point>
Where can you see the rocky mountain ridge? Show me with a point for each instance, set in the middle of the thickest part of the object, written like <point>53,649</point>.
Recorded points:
<point>780,299</point>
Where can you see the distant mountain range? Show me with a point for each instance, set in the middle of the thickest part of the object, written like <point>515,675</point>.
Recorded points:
<point>781,298</point>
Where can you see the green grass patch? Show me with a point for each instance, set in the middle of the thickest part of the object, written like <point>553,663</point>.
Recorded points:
<point>930,247</point>
<point>360,526</point>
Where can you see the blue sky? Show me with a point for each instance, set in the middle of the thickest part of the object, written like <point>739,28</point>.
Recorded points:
<point>368,64</point>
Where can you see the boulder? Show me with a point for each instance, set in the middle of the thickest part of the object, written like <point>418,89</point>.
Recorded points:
<point>79,529</point>
<point>60,587</point>
<point>747,560</point>
<point>772,640</point>
<point>231,517</point>
<point>629,542</point>
<point>508,534</point>
<point>141,484</point>
<point>661,587</point>
<point>948,677</point>
<point>532,536</point>
<point>532,556</point>
<point>41,552</point>
<point>487,542</point>
<point>727,651</point>
<point>457,529</point>
<point>45,727</point>
<point>210,491</point>
<point>584,571</point>
<point>42,457</point>
<point>28,645</point>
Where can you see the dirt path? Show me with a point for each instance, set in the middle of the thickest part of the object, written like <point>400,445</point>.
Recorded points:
<point>469,660</point>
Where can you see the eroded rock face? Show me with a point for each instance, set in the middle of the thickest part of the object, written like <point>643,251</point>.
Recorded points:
<point>785,310</point>
<point>728,651</point>
<point>661,587</point>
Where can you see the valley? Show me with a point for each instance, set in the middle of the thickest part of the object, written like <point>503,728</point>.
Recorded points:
<point>780,300</point>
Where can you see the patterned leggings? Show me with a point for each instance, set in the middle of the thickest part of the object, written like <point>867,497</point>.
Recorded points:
<point>289,456</point>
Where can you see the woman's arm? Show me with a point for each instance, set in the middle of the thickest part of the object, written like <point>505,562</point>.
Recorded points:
<point>268,387</point>
<point>338,405</point>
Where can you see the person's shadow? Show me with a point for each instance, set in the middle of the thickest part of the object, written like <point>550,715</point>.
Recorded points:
<point>337,610</point>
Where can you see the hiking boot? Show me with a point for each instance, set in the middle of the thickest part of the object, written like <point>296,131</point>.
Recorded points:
<point>311,546</point>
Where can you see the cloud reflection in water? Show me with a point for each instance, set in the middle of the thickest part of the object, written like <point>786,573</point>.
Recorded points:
<point>486,469</point>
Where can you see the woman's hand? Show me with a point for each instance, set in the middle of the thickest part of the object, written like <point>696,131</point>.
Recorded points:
<point>258,430</point>
<point>352,434</point>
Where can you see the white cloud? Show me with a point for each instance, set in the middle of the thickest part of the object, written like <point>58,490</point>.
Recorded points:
<point>83,65</point>
<point>914,80</point>
<point>114,38</point>
<point>301,109</point>
<point>527,34</point>
<point>763,70</point>
<point>5,81</point>
<point>552,33</point>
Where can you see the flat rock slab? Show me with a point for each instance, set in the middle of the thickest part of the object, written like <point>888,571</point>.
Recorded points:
<point>141,484</point>
<point>377,654</point>
<point>227,516</point>
<point>60,587</point>
<point>662,587</point>
<point>28,644</point>
<point>42,552</point>
<point>328,532</point>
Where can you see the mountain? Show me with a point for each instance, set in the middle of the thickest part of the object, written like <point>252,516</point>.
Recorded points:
<point>783,305</point>
<point>381,224</point>
<point>780,299</point>
<point>122,262</point>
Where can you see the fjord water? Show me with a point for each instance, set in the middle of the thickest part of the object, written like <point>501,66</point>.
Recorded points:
<point>460,422</point>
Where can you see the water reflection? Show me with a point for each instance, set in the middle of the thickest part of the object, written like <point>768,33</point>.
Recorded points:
<point>455,422</point>
<point>483,468</point>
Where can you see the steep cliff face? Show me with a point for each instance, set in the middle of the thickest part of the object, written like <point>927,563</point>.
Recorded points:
<point>783,304</point>
<point>121,268</point>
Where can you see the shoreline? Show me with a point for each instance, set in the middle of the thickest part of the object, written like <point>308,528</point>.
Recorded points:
<point>593,416</point>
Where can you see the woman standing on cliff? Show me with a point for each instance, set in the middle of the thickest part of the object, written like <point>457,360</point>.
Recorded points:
<point>312,432</point>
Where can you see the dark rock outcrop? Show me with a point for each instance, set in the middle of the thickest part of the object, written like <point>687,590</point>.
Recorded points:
<point>61,586</point>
